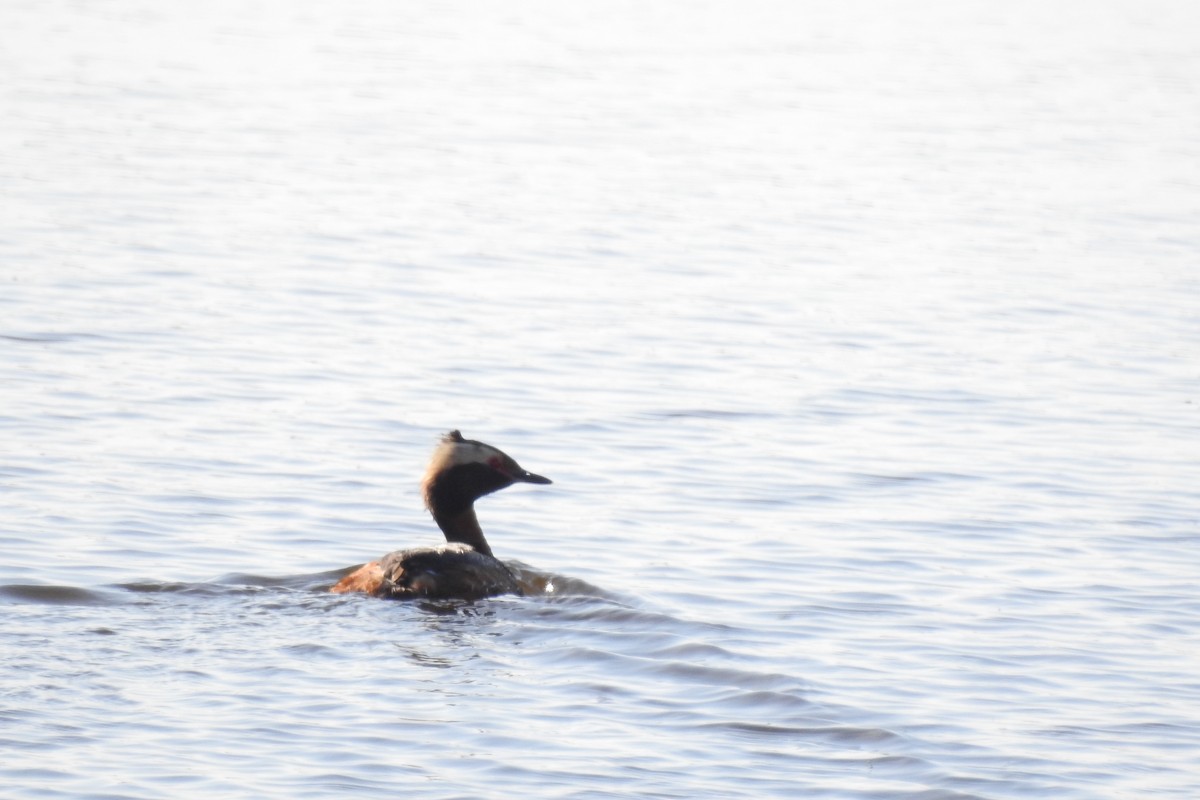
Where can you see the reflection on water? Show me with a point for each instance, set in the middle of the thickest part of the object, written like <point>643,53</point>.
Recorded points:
<point>859,343</point>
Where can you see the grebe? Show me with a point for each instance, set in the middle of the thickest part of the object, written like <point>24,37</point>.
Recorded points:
<point>460,472</point>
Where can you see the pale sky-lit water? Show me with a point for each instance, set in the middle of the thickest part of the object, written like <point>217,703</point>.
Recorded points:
<point>861,340</point>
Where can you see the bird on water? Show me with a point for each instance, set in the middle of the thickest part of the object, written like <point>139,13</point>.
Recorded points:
<point>460,472</point>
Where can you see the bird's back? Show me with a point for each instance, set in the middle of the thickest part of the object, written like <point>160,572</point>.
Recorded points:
<point>451,570</point>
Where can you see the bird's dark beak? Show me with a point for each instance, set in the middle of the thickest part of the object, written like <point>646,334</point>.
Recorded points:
<point>529,477</point>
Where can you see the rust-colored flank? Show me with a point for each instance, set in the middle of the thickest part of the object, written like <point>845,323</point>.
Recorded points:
<point>367,578</point>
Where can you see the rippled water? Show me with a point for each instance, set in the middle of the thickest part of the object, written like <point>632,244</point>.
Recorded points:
<point>860,340</point>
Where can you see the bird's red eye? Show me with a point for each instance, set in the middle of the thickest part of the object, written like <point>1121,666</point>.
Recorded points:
<point>495,463</point>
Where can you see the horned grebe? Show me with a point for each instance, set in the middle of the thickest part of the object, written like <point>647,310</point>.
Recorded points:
<point>460,472</point>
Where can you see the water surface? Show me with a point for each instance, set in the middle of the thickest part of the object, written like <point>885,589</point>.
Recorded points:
<point>860,342</point>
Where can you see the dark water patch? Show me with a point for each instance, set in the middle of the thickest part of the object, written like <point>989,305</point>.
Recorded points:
<point>971,528</point>
<point>869,479</point>
<point>175,587</point>
<point>843,734</point>
<point>849,608</point>
<point>691,651</point>
<point>759,700</point>
<point>881,480</point>
<point>51,338</point>
<point>711,413</point>
<point>906,764</point>
<point>237,583</point>
<point>620,614</point>
<point>924,400</point>
<point>593,428</point>
<point>423,659</point>
<point>671,673</point>
<point>708,675</point>
<point>58,595</point>
<point>312,650</point>
<point>192,499</point>
<point>311,581</point>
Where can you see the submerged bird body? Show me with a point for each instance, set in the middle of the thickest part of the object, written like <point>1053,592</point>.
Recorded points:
<point>460,472</point>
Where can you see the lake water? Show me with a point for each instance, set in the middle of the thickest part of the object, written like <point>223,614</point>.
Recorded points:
<point>861,341</point>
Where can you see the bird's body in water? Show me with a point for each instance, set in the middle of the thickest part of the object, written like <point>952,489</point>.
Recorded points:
<point>460,472</point>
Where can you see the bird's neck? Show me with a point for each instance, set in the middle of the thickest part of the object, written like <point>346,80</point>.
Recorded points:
<point>463,527</point>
